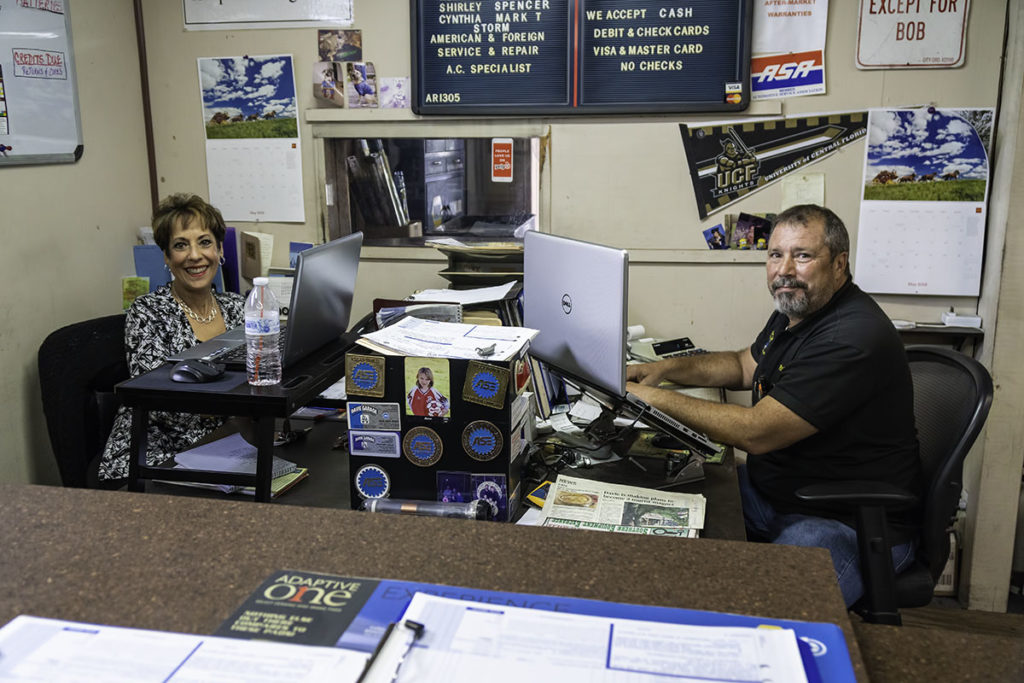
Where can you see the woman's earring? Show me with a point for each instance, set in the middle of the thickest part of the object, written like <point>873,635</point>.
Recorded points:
<point>222,259</point>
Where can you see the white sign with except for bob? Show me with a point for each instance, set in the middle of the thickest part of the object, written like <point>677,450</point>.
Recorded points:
<point>912,34</point>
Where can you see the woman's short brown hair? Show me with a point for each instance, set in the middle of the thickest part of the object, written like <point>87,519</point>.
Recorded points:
<point>181,209</point>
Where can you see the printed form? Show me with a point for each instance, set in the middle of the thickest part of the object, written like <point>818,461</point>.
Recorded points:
<point>469,641</point>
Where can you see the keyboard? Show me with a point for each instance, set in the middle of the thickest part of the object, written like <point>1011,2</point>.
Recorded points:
<point>235,355</point>
<point>687,352</point>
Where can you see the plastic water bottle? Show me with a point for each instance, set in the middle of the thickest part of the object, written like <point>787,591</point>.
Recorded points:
<point>262,331</point>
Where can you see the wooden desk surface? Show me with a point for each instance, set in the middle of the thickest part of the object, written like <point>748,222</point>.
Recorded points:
<point>184,564</point>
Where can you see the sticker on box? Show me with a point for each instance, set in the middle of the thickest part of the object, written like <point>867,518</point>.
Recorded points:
<point>493,490</point>
<point>482,440</point>
<point>454,487</point>
<point>427,379</point>
<point>384,417</point>
<point>364,375</point>
<point>422,446</point>
<point>379,444</point>
<point>372,482</point>
<point>485,384</point>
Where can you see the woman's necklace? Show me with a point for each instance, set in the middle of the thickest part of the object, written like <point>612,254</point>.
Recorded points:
<point>202,320</point>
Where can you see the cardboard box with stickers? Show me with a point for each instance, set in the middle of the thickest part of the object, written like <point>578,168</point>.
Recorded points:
<point>437,429</point>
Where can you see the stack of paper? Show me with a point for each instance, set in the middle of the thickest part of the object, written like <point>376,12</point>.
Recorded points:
<point>235,454</point>
<point>434,339</point>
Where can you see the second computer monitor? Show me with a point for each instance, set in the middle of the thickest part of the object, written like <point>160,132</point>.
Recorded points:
<point>575,293</point>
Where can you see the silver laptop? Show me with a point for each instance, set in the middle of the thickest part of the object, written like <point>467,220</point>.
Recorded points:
<point>319,311</point>
<point>576,294</point>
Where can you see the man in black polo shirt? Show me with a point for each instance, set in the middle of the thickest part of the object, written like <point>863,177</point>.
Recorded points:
<point>832,398</point>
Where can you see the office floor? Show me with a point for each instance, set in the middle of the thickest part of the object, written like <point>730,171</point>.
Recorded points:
<point>948,614</point>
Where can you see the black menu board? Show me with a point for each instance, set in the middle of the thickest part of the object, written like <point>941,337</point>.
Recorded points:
<point>499,57</point>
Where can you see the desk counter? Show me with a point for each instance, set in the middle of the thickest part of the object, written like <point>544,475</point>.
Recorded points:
<point>184,564</point>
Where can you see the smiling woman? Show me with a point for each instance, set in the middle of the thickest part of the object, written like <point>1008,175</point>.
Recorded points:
<point>174,317</point>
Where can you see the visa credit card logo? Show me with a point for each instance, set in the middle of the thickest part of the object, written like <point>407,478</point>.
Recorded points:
<point>787,71</point>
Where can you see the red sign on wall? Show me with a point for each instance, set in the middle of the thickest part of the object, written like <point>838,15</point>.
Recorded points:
<point>501,160</point>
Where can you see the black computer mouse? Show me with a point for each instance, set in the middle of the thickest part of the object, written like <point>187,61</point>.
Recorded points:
<point>196,370</point>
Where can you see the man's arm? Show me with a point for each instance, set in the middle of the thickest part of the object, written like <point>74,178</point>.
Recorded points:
<point>765,427</point>
<point>732,369</point>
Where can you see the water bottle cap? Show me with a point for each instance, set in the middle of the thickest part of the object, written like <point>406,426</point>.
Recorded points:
<point>260,281</point>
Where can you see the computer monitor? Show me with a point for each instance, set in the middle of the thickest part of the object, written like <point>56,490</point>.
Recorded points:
<point>575,294</point>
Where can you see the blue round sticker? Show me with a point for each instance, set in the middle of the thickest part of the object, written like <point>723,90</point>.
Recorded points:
<point>481,440</point>
<point>485,384</point>
<point>372,482</point>
<point>422,446</point>
<point>364,376</point>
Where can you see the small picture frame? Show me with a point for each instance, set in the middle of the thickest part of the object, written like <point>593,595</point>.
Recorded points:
<point>717,237</point>
<point>328,82</point>
<point>428,387</point>
<point>361,85</point>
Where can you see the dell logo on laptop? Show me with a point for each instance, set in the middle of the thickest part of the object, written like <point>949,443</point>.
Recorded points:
<point>566,304</point>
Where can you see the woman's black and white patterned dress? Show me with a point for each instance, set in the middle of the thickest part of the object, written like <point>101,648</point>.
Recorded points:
<point>156,327</point>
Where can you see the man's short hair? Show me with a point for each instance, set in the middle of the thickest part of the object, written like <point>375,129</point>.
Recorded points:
<point>837,239</point>
<point>184,207</point>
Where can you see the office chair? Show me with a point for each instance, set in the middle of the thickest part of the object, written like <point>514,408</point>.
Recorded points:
<point>952,397</point>
<point>78,368</point>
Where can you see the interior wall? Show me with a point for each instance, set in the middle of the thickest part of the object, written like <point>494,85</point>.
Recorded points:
<point>620,180</point>
<point>68,228</point>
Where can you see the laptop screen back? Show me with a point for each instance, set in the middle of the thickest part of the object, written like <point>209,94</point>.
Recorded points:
<point>575,293</point>
<point>321,304</point>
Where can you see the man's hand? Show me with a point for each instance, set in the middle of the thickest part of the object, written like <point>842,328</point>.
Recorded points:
<point>650,374</point>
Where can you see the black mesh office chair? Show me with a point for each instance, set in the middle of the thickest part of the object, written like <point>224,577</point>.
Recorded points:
<point>952,397</point>
<point>78,368</point>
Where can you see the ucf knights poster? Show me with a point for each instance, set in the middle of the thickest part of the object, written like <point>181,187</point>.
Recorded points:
<point>730,161</point>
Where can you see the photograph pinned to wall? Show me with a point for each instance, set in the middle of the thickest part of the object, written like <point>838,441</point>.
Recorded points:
<point>924,202</point>
<point>454,487</point>
<point>361,85</point>
<point>394,93</point>
<point>757,227</point>
<point>328,83</point>
<point>253,158</point>
<point>742,235</point>
<point>340,46</point>
<point>428,382</point>
<point>716,237</point>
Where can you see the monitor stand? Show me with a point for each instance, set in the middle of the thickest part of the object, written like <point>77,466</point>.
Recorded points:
<point>678,469</point>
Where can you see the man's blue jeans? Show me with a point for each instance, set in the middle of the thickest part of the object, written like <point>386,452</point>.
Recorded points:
<point>837,538</point>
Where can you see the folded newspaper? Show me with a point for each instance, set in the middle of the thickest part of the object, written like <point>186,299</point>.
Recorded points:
<point>584,504</point>
<point>434,339</point>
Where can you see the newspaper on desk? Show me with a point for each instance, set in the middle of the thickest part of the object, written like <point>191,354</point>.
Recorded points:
<point>435,339</point>
<point>585,504</point>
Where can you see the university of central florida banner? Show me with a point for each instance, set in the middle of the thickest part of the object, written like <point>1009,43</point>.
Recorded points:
<point>729,161</point>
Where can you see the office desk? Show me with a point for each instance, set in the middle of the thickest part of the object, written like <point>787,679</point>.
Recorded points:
<point>230,396</point>
<point>184,564</point>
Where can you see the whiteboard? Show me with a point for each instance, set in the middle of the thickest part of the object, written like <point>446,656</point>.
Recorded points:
<point>39,121</point>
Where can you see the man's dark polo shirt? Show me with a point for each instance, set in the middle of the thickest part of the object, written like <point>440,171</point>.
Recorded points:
<point>843,370</point>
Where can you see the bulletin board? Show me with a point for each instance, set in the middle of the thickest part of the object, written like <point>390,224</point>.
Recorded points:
<point>39,120</point>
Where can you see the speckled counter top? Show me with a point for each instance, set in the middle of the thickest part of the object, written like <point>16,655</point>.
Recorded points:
<point>184,564</point>
<point>894,654</point>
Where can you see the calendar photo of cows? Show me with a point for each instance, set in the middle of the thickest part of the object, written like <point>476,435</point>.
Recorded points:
<point>248,97</point>
<point>928,154</point>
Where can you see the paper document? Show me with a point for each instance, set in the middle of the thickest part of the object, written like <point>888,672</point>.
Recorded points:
<point>598,506</point>
<point>479,295</point>
<point>36,649</point>
<point>230,454</point>
<point>514,644</point>
<point>434,339</point>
